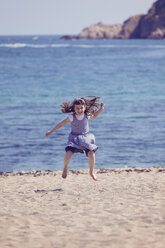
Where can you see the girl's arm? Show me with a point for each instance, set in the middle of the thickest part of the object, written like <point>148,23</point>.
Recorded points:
<point>59,125</point>
<point>98,112</point>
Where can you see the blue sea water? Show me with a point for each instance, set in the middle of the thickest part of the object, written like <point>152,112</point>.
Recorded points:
<point>37,75</point>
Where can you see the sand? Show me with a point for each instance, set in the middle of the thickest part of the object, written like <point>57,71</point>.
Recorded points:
<point>124,209</point>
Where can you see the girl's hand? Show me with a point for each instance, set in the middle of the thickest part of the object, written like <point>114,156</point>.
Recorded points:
<point>102,106</point>
<point>48,133</point>
<point>59,125</point>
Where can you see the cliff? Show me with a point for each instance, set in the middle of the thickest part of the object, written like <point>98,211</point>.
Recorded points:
<point>100,31</point>
<point>149,26</point>
<point>152,25</point>
<point>130,28</point>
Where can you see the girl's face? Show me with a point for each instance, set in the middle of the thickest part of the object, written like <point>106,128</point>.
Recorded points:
<point>79,109</point>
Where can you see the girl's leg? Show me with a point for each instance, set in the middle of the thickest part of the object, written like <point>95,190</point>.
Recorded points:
<point>91,156</point>
<point>67,158</point>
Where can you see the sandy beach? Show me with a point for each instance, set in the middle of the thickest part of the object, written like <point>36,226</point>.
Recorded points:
<point>124,209</point>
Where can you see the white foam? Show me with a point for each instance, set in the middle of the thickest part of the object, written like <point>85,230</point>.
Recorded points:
<point>15,45</point>
<point>60,45</point>
<point>22,45</point>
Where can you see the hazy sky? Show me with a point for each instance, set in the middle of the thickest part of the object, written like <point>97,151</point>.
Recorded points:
<point>64,16</point>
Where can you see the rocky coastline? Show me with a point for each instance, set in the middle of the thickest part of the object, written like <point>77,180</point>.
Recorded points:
<point>149,26</point>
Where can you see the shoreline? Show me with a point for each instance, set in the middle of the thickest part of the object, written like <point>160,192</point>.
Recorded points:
<point>84,171</point>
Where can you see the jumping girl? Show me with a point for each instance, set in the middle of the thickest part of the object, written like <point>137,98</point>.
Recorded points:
<point>80,139</point>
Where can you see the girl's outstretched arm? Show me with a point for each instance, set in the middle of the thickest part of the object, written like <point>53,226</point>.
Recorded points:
<point>98,112</point>
<point>59,125</point>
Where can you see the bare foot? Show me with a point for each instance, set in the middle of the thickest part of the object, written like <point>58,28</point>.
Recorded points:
<point>64,174</point>
<point>93,176</point>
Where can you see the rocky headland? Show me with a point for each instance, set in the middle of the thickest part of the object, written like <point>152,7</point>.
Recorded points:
<point>149,26</point>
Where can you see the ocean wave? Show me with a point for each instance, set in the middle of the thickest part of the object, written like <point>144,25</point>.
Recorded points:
<point>22,45</point>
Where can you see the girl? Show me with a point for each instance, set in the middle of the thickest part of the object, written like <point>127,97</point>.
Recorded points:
<point>80,139</point>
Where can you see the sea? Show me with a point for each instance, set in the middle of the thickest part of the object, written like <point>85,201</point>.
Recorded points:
<point>38,73</point>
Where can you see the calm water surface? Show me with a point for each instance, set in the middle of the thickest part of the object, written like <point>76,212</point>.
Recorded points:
<point>37,75</point>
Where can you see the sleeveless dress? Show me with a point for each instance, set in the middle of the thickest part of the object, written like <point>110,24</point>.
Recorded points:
<point>80,139</point>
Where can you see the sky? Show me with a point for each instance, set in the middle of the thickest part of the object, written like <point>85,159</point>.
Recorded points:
<point>41,17</point>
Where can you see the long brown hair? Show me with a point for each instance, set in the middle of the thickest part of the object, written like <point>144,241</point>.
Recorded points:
<point>91,103</point>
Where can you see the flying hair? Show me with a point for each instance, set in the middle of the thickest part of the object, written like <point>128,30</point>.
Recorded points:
<point>91,103</point>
